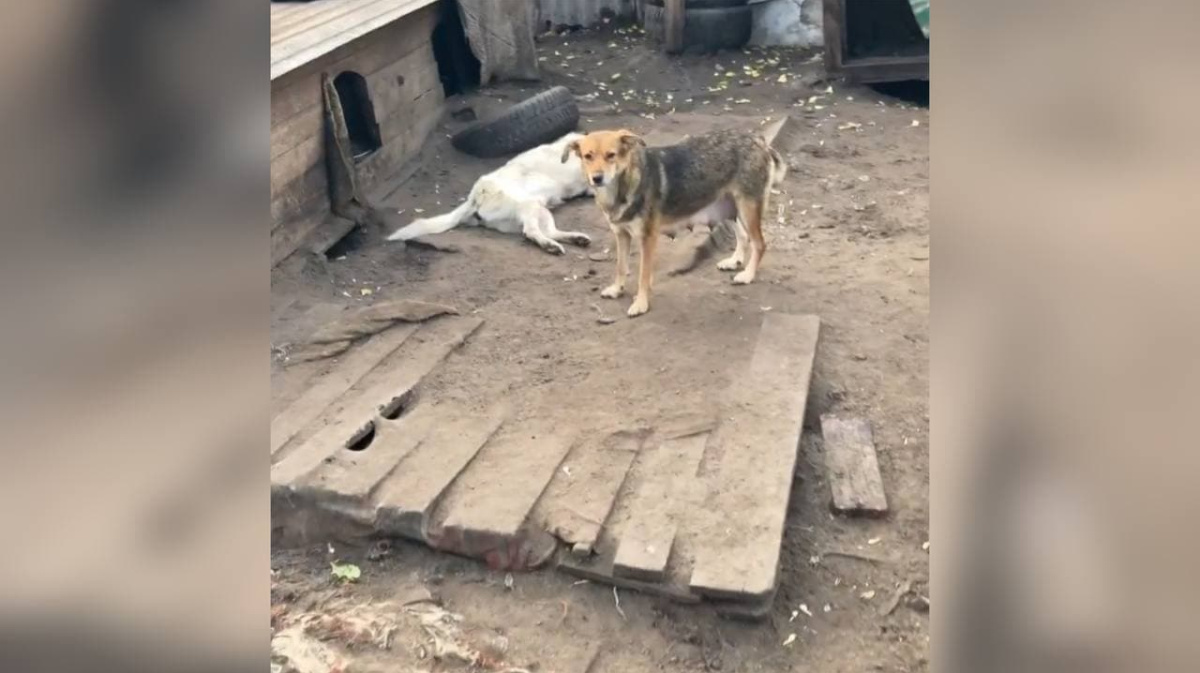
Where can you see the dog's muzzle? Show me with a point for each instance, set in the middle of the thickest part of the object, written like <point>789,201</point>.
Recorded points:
<point>598,179</point>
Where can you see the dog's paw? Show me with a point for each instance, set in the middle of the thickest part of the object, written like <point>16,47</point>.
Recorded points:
<point>743,278</point>
<point>612,291</point>
<point>554,248</point>
<point>639,306</point>
<point>582,240</point>
<point>729,264</point>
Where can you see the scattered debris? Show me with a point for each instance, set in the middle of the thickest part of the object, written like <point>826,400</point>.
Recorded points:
<point>916,123</point>
<point>867,595</point>
<point>617,600</point>
<point>508,581</point>
<point>787,642</point>
<point>805,610</point>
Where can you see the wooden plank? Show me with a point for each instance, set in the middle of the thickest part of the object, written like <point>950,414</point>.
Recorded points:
<point>350,369</point>
<point>852,465</point>
<point>600,571</point>
<point>301,88</point>
<point>674,15</point>
<point>407,498</point>
<point>321,39</point>
<point>289,237</point>
<point>648,536</point>
<point>577,506</point>
<point>345,481</point>
<point>751,463</point>
<point>834,28</point>
<point>490,504</point>
<point>387,385</point>
<point>886,69</point>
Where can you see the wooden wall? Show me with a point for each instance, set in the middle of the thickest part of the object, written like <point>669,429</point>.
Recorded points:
<point>401,73</point>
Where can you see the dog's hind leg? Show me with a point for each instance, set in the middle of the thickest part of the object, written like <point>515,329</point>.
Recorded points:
<point>573,237</point>
<point>750,210</point>
<point>532,217</point>
<point>738,258</point>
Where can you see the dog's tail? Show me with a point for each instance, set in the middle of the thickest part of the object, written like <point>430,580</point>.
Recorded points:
<point>436,225</point>
<point>779,167</point>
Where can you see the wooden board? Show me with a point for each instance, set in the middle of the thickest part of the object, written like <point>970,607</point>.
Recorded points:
<point>852,466</point>
<point>646,540</point>
<point>576,506</point>
<point>358,413</point>
<point>751,464</point>
<point>406,500</point>
<point>301,34</point>
<point>345,481</point>
<point>349,369</point>
<point>489,505</point>
<point>674,15</point>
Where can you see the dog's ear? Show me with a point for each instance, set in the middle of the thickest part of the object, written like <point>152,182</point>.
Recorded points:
<point>629,139</point>
<point>572,147</point>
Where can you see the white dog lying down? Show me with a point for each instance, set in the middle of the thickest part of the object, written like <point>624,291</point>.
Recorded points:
<point>517,197</point>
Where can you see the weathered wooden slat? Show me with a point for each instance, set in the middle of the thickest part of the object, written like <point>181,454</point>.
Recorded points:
<point>646,540</point>
<point>857,487</point>
<point>388,386</point>
<point>407,498</point>
<point>751,463</point>
<point>323,38</point>
<point>580,500</point>
<point>488,507</point>
<point>345,481</point>
<point>333,384</point>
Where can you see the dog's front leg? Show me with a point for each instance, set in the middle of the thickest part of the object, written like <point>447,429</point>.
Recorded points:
<point>641,302</point>
<point>623,240</point>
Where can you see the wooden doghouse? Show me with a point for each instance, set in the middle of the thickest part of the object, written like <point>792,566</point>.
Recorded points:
<point>381,57</point>
<point>872,41</point>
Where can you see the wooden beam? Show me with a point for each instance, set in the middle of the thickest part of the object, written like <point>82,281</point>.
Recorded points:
<point>673,18</point>
<point>834,26</point>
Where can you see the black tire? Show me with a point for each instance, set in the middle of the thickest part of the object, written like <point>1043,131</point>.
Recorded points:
<point>704,4</point>
<point>532,122</point>
<point>724,28</point>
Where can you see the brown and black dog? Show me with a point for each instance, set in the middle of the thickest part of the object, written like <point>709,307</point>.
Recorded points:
<point>704,179</point>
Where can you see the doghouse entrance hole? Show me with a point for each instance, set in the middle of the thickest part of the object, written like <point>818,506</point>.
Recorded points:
<point>457,66</point>
<point>359,113</point>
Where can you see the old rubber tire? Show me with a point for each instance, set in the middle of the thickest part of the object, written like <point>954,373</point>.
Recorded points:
<point>715,28</point>
<point>532,122</point>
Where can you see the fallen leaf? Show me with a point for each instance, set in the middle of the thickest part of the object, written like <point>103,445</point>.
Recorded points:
<point>782,79</point>
<point>346,572</point>
<point>874,540</point>
<point>789,640</point>
<point>615,76</point>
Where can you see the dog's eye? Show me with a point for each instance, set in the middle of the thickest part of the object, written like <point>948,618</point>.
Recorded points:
<point>588,156</point>
<point>610,156</point>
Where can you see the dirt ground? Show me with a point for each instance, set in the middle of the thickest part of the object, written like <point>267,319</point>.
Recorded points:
<point>848,240</point>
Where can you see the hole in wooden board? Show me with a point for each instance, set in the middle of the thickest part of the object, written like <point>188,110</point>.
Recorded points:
<point>363,438</point>
<point>398,406</point>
